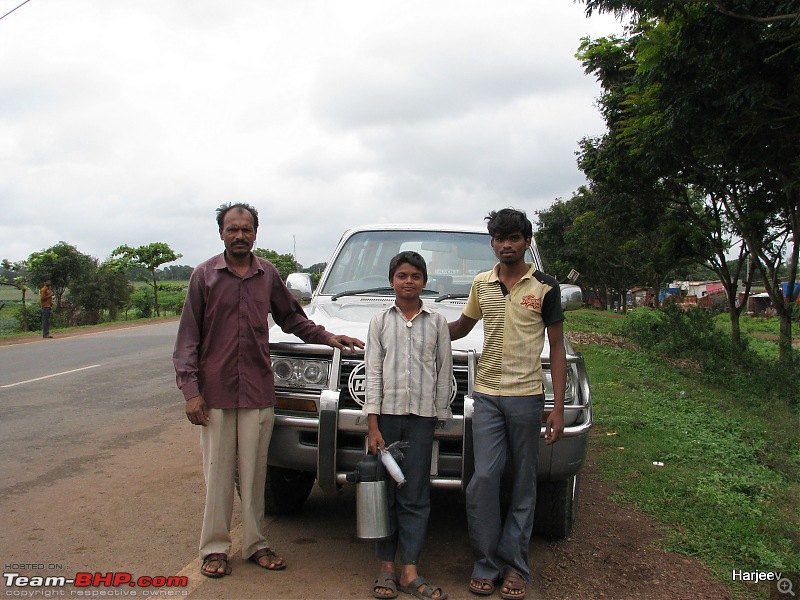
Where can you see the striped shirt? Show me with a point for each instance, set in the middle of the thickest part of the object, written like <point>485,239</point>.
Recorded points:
<point>409,369</point>
<point>513,327</point>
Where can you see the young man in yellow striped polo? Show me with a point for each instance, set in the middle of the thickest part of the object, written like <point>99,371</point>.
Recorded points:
<point>517,303</point>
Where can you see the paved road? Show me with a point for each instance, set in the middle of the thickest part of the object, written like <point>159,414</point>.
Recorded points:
<point>61,398</point>
<point>101,472</point>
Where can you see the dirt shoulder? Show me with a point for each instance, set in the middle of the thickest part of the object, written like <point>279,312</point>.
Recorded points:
<point>613,552</point>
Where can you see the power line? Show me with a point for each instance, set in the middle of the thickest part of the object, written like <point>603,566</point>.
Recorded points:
<point>13,9</point>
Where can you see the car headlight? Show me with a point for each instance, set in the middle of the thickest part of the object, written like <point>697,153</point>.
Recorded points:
<point>300,373</point>
<point>569,392</point>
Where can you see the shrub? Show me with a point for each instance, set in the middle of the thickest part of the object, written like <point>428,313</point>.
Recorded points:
<point>693,335</point>
<point>142,301</point>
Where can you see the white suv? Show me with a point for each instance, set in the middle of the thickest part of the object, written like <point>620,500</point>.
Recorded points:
<point>320,431</point>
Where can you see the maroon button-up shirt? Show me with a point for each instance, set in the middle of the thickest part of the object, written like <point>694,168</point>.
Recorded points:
<point>222,348</point>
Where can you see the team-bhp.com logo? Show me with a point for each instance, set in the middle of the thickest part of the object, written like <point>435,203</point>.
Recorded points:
<point>94,580</point>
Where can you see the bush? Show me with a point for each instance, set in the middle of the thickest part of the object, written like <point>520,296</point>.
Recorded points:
<point>674,333</point>
<point>693,335</point>
<point>142,301</point>
<point>171,300</point>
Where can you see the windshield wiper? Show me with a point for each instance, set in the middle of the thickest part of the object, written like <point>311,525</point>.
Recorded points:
<point>365,291</point>
<point>372,291</point>
<point>450,296</point>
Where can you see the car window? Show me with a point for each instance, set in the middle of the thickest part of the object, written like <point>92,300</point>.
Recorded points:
<point>453,259</point>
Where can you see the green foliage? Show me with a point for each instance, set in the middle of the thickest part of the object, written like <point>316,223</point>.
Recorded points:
<point>172,296</point>
<point>593,321</point>
<point>316,270</point>
<point>62,264</point>
<point>142,300</point>
<point>92,292</point>
<point>701,104</point>
<point>615,240</point>
<point>33,317</point>
<point>729,487</point>
<point>285,263</point>
<point>175,273</point>
<point>694,336</point>
<point>104,288</point>
<point>148,257</point>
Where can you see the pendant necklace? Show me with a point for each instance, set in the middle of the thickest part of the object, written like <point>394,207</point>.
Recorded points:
<point>409,322</point>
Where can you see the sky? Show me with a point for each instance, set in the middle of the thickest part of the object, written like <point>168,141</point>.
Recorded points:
<point>130,122</point>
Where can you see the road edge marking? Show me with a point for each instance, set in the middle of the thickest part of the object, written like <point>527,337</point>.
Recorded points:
<point>10,385</point>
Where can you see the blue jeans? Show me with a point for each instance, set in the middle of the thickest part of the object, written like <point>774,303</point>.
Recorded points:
<point>410,504</point>
<point>501,425</point>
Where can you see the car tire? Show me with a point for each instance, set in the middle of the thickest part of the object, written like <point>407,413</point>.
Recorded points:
<point>286,490</point>
<point>556,506</point>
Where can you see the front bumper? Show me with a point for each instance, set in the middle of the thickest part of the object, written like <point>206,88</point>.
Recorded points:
<point>332,441</point>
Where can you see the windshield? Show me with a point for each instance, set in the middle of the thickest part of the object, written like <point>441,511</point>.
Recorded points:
<point>453,259</point>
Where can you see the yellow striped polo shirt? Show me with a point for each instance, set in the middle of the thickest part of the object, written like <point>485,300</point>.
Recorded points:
<point>513,328</point>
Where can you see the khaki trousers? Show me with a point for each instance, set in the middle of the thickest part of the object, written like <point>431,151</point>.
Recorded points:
<point>244,433</point>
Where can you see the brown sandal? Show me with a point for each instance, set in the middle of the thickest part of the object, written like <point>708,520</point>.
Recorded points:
<point>221,561</point>
<point>479,586</point>
<point>512,582</point>
<point>275,562</point>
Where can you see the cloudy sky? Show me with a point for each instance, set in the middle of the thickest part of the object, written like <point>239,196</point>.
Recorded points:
<point>129,122</point>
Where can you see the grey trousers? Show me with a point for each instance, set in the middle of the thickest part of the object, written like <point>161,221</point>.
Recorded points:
<point>501,424</point>
<point>410,504</point>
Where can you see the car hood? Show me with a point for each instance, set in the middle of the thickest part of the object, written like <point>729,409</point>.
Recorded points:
<point>351,316</point>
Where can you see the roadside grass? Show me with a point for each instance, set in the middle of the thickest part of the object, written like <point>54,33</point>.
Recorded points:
<point>78,328</point>
<point>140,308</point>
<point>12,294</point>
<point>9,323</point>
<point>729,488</point>
<point>761,333</point>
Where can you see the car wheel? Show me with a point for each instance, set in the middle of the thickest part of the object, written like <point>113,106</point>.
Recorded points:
<point>286,490</point>
<point>556,506</point>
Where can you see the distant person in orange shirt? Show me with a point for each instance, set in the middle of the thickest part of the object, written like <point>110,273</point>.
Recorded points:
<point>46,300</point>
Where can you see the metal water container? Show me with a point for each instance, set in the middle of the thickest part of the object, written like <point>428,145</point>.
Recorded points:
<point>372,503</point>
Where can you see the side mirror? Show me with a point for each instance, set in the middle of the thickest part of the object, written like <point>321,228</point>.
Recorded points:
<point>571,297</point>
<point>300,286</point>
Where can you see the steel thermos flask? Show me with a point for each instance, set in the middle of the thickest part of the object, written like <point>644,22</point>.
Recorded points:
<point>372,503</point>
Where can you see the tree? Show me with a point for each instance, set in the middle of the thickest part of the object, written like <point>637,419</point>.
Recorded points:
<point>613,245</point>
<point>176,273</point>
<point>703,101</point>
<point>14,276</point>
<point>316,271</point>
<point>148,257</point>
<point>709,214</point>
<point>106,287</point>
<point>285,263</point>
<point>61,264</point>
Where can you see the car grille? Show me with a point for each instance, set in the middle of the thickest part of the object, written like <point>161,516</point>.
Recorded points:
<point>346,400</point>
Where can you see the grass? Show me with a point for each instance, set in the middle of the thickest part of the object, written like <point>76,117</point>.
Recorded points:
<point>728,492</point>
<point>170,301</point>
<point>12,294</point>
<point>56,330</point>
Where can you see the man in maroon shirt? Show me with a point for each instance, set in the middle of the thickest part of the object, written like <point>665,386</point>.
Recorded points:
<point>223,368</point>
